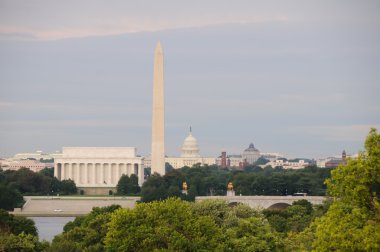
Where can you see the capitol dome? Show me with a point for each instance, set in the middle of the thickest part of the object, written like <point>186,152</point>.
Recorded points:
<point>251,154</point>
<point>190,147</point>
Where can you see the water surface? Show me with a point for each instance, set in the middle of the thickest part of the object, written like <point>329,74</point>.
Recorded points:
<point>48,227</point>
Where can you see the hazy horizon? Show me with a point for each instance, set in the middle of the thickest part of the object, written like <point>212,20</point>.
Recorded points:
<point>300,79</point>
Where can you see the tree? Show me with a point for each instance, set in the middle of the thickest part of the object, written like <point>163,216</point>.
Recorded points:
<point>155,188</point>
<point>16,224</point>
<point>304,203</point>
<point>162,225</point>
<point>294,218</point>
<point>253,234</point>
<point>352,222</point>
<point>21,242</point>
<point>18,234</point>
<point>261,161</point>
<point>85,233</point>
<point>28,182</point>
<point>128,185</point>
<point>67,186</point>
<point>10,198</point>
<point>245,229</point>
<point>216,209</point>
<point>49,172</point>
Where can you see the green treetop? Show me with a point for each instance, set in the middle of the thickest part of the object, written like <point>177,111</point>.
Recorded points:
<point>352,222</point>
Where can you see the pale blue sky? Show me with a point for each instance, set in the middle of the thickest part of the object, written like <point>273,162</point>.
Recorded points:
<point>297,77</point>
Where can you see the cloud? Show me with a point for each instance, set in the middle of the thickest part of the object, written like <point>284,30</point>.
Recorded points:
<point>5,104</point>
<point>268,103</point>
<point>75,123</point>
<point>344,133</point>
<point>68,108</point>
<point>123,25</point>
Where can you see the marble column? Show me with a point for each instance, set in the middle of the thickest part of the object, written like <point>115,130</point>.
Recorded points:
<point>77,173</point>
<point>109,174</point>
<point>56,170</point>
<point>93,171</point>
<point>114,173</point>
<point>63,173</point>
<point>86,176</point>
<point>71,171</point>
<point>101,170</point>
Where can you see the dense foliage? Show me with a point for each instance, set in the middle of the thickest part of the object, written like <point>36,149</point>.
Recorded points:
<point>128,185</point>
<point>172,225</point>
<point>18,234</point>
<point>85,233</point>
<point>14,184</point>
<point>296,217</point>
<point>349,222</point>
<point>211,180</point>
<point>352,223</point>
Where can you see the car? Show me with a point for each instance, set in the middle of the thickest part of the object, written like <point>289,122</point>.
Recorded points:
<point>58,210</point>
<point>299,194</point>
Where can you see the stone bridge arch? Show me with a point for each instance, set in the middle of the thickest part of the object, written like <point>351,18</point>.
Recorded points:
<point>279,205</point>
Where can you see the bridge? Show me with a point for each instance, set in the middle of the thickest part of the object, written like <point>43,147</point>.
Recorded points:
<point>80,205</point>
<point>266,201</point>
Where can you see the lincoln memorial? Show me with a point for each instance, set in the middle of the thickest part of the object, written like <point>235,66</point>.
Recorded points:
<point>96,170</point>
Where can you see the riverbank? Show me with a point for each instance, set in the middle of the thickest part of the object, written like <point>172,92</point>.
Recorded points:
<point>69,206</point>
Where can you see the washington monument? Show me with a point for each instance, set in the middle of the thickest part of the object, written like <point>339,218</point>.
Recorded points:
<point>158,114</point>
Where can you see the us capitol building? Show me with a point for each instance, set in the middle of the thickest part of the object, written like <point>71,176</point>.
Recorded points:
<point>97,170</point>
<point>189,155</point>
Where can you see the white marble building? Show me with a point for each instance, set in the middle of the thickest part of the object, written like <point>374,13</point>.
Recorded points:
<point>97,167</point>
<point>251,154</point>
<point>300,164</point>
<point>189,155</point>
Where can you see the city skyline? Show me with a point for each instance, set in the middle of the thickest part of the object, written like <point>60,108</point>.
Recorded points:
<point>300,81</point>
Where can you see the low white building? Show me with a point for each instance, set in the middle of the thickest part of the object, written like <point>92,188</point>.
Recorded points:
<point>38,155</point>
<point>96,170</point>
<point>288,164</point>
<point>31,164</point>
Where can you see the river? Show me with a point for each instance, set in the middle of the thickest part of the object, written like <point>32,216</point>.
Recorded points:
<point>48,227</point>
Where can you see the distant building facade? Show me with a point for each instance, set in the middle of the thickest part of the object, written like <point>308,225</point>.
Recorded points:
<point>332,162</point>
<point>38,155</point>
<point>33,165</point>
<point>300,164</point>
<point>230,161</point>
<point>189,155</point>
<point>97,170</point>
<point>248,157</point>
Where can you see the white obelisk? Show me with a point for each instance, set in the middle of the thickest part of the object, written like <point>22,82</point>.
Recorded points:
<point>158,114</point>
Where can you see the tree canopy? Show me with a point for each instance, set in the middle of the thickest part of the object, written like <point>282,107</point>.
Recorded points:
<point>18,234</point>
<point>352,223</point>
<point>14,184</point>
<point>211,180</point>
<point>128,185</point>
